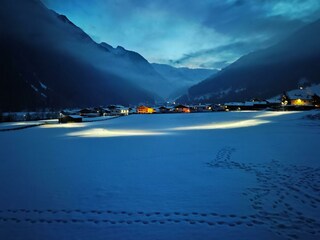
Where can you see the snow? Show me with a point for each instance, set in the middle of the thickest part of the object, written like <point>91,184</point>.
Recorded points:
<point>234,104</point>
<point>305,93</point>
<point>260,102</point>
<point>247,103</point>
<point>43,95</point>
<point>300,93</point>
<point>240,90</point>
<point>219,94</point>
<point>75,116</point>
<point>50,123</point>
<point>25,124</point>
<point>34,88</point>
<point>18,125</point>
<point>43,85</point>
<point>101,118</point>
<point>225,91</point>
<point>225,175</point>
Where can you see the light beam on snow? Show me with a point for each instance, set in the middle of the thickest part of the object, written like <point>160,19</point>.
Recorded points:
<point>273,114</point>
<point>65,125</point>
<point>225,125</point>
<point>102,132</point>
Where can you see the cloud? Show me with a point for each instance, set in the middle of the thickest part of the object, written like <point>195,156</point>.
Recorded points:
<point>295,9</point>
<point>218,57</point>
<point>187,32</point>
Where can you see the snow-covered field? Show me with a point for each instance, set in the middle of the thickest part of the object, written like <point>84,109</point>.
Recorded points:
<point>7,126</point>
<point>227,175</point>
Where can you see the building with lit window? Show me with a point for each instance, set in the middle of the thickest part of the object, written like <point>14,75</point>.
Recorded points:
<point>181,109</point>
<point>145,110</point>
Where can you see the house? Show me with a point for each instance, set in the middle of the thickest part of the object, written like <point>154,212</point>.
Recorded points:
<point>106,112</point>
<point>89,113</point>
<point>254,104</point>
<point>182,109</point>
<point>238,106</point>
<point>260,104</point>
<point>201,108</point>
<point>64,117</point>
<point>163,109</point>
<point>145,110</point>
<point>122,111</point>
<point>99,110</point>
<point>298,99</point>
<point>218,108</point>
<point>132,110</point>
<point>118,110</point>
<point>274,103</point>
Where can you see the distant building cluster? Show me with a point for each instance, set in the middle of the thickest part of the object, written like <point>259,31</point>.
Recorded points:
<point>119,110</point>
<point>295,100</point>
<point>78,115</point>
<point>299,99</point>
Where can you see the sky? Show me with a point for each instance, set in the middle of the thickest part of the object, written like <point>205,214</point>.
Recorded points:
<point>189,33</point>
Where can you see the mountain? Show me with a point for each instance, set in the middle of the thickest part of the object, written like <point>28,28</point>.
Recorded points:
<point>265,73</point>
<point>136,67</point>
<point>47,61</point>
<point>180,79</point>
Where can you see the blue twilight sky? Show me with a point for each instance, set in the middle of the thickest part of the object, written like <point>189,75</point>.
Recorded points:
<point>203,33</point>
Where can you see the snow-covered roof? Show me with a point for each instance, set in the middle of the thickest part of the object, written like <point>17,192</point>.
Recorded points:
<point>234,104</point>
<point>276,99</point>
<point>74,116</point>
<point>116,106</point>
<point>260,102</point>
<point>300,93</point>
<point>305,93</point>
<point>248,103</point>
<point>202,105</point>
<point>239,104</point>
<point>120,106</point>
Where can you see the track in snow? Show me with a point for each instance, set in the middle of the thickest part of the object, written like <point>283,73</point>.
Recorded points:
<point>285,194</point>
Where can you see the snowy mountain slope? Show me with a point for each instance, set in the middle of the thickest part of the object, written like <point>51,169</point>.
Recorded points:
<point>182,78</point>
<point>194,178</point>
<point>139,69</point>
<point>70,82</point>
<point>267,72</point>
<point>31,33</point>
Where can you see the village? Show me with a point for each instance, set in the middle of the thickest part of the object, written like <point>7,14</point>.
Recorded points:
<point>301,99</point>
<point>296,100</point>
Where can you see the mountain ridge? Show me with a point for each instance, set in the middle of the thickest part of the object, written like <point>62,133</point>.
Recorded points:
<point>36,41</point>
<point>182,78</point>
<point>266,72</point>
